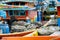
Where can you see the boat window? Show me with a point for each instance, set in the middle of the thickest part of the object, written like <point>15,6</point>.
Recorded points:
<point>16,3</point>
<point>9,3</point>
<point>22,3</point>
<point>10,13</point>
<point>22,13</point>
<point>16,12</point>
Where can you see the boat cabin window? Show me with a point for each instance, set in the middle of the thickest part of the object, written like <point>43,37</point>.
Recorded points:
<point>10,13</point>
<point>22,13</point>
<point>16,13</point>
<point>22,3</point>
<point>9,3</point>
<point>16,3</point>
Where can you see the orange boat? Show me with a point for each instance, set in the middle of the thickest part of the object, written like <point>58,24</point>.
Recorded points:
<point>32,38</point>
<point>18,34</point>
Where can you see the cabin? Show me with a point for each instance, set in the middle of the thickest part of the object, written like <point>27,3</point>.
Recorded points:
<point>19,9</point>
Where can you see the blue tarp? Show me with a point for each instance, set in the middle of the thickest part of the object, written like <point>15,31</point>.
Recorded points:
<point>4,28</point>
<point>3,14</point>
<point>58,21</point>
<point>39,16</point>
<point>58,0</point>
